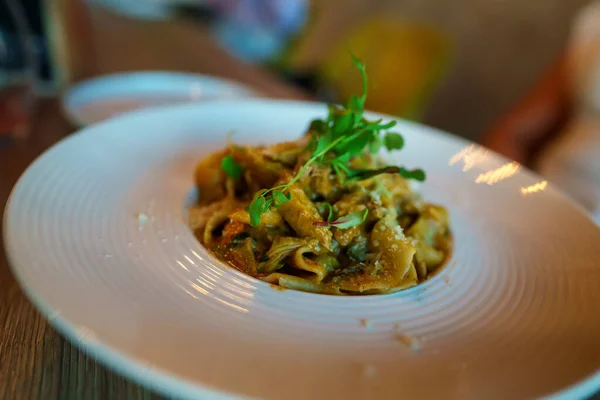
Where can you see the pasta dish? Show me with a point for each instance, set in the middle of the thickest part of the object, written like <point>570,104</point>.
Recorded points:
<point>323,213</point>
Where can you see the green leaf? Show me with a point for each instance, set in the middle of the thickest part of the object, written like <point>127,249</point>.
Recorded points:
<point>375,144</point>
<point>362,174</point>
<point>377,125</point>
<point>356,104</point>
<point>347,221</point>
<point>340,165</point>
<point>353,219</point>
<point>370,124</point>
<point>353,146</point>
<point>344,159</point>
<point>280,198</point>
<point>266,205</point>
<point>343,122</point>
<point>416,174</point>
<point>388,125</point>
<point>393,141</point>
<point>322,143</point>
<point>231,167</point>
<point>326,207</point>
<point>255,209</point>
<point>338,171</point>
<point>363,73</point>
<point>357,62</point>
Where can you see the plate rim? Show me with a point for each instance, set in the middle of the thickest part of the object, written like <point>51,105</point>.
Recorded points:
<point>163,381</point>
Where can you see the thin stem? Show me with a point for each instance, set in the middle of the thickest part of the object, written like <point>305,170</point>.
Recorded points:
<point>314,158</point>
<point>364,96</point>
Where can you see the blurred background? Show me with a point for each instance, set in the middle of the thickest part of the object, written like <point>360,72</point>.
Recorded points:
<point>510,74</point>
<point>455,65</point>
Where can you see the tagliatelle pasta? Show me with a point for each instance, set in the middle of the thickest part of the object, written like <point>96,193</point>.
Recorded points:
<point>401,241</point>
<point>323,213</point>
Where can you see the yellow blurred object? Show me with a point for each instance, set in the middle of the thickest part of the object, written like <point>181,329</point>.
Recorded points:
<point>404,63</point>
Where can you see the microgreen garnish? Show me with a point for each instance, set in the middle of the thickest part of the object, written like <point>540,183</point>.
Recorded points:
<point>325,207</point>
<point>393,141</point>
<point>280,198</point>
<point>266,199</point>
<point>347,221</point>
<point>231,167</point>
<point>362,174</point>
<point>343,135</point>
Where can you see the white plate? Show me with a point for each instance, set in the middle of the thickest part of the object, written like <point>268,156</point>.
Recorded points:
<point>514,314</point>
<point>106,96</point>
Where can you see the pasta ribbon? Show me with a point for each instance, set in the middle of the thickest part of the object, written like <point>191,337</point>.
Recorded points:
<point>317,232</point>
